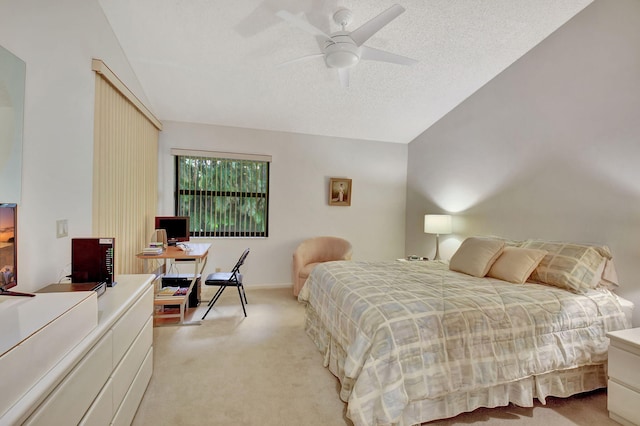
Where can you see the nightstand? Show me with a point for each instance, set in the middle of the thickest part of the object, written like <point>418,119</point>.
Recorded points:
<point>623,395</point>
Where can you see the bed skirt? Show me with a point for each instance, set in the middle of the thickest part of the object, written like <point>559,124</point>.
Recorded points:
<point>522,392</point>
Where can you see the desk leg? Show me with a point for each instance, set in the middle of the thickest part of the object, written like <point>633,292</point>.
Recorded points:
<point>183,307</point>
<point>197,270</point>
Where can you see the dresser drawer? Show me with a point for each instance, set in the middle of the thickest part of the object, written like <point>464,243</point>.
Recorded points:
<point>623,402</point>
<point>129,406</point>
<point>42,340</point>
<point>624,367</point>
<point>128,327</point>
<point>101,411</point>
<point>69,401</point>
<point>125,372</point>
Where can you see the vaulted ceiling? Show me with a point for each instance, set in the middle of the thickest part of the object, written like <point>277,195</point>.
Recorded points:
<point>220,62</point>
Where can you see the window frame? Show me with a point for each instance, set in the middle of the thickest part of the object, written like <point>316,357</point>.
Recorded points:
<point>223,156</point>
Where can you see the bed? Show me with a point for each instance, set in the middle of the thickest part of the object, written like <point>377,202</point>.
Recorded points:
<point>412,342</point>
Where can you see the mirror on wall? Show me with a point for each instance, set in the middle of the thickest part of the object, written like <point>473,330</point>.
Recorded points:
<point>12,80</point>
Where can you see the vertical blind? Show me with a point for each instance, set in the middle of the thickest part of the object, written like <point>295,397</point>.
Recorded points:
<point>125,172</point>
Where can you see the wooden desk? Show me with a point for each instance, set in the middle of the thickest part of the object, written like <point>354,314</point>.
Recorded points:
<point>196,253</point>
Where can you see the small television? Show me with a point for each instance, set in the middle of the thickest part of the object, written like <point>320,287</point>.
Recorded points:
<point>177,228</point>
<point>8,249</point>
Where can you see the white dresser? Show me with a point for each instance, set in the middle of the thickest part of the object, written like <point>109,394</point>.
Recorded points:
<point>623,395</point>
<point>102,379</point>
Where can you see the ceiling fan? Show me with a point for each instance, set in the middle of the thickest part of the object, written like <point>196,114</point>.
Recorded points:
<point>344,49</point>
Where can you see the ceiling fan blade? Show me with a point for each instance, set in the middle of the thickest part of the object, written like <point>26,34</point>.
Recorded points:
<point>371,54</point>
<point>343,74</point>
<point>366,30</point>
<point>301,23</point>
<point>301,59</point>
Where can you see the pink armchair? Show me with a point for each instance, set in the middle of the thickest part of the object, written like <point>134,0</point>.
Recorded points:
<point>313,251</point>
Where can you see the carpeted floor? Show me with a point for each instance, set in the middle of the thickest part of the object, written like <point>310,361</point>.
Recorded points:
<point>264,370</point>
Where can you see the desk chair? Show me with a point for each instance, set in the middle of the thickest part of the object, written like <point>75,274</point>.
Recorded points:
<point>228,279</point>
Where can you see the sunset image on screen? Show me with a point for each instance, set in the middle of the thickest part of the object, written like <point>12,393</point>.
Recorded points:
<point>7,231</point>
<point>7,248</point>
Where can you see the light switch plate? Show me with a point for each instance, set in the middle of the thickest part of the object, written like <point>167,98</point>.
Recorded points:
<point>62,229</point>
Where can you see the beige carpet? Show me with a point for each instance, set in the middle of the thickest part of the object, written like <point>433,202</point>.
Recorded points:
<point>264,370</point>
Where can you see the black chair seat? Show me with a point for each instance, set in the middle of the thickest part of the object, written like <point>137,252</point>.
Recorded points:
<point>216,277</point>
<point>228,279</point>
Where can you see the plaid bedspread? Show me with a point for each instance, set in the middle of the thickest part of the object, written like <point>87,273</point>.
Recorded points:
<point>415,330</point>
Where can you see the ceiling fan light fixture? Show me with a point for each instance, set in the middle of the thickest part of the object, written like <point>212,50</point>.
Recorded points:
<point>344,49</point>
<point>341,51</point>
<point>341,59</point>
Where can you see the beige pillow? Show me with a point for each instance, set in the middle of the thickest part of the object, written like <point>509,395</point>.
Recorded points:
<point>476,255</point>
<point>609,277</point>
<point>516,264</point>
<point>507,242</point>
<point>575,267</point>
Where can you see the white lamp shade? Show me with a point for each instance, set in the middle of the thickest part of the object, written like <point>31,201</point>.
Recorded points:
<point>437,224</point>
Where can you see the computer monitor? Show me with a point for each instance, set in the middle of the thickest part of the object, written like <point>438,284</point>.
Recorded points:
<point>177,228</point>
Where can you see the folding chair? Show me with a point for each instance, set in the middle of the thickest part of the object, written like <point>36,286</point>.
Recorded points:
<point>228,279</point>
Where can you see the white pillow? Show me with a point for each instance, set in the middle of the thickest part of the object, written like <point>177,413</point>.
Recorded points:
<point>476,255</point>
<point>516,264</point>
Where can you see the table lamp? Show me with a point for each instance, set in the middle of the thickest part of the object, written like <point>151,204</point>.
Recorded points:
<point>437,224</point>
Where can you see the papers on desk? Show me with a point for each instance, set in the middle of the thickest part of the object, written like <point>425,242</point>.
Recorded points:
<point>152,250</point>
<point>169,291</point>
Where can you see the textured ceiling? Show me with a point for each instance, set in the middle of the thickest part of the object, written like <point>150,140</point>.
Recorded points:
<point>217,62</point>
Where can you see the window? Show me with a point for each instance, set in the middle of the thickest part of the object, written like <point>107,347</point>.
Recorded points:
<point>225,195</point>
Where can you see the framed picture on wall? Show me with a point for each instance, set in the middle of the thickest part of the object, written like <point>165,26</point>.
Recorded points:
<point>339,192</point>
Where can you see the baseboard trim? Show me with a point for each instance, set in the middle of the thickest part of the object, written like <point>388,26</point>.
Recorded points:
<point>268,286</point>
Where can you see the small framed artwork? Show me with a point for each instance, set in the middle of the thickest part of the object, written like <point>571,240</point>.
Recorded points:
<point>339,192</point>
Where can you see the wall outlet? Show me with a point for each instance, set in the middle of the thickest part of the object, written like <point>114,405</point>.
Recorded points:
<point>218,270</point>
<point>62,228</point>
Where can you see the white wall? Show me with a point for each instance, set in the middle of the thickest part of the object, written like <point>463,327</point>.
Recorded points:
<point>298,204</point>
<point>549,149</point>
<point>57,40</point>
